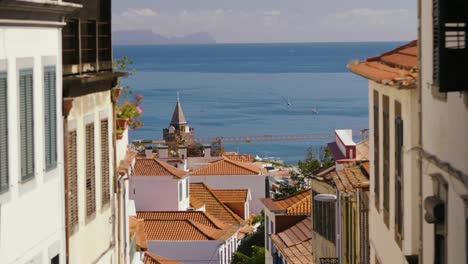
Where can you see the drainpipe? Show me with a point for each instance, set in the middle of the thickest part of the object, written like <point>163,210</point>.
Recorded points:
<point>420,165</point>
<point>67,104</point>
<point>116,176</point>
<point>122,190</point>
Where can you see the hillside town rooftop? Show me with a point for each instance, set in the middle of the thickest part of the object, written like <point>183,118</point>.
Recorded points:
<point>227,166</point>
<point>295,204</point>
<point>155,167</point>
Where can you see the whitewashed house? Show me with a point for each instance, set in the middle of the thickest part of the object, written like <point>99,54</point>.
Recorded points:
<point>228,174</point>
<point>32,213</point>
<point>394,214</point>
<point>158,186</point>
<point>444,150</point>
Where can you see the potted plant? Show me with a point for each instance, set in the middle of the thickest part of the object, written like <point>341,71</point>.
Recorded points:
<point>119,133</point>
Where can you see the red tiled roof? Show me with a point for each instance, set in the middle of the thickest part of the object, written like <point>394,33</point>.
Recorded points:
<point>155,167</point>
<point>295,243</point>
<point>398,67</point>
<point>226,166</point>
<point>239,157</point>
<point>362,150</point>
<point>156,259</point>
<point>231,195</point>
<point>137,226</point>
<point>213,205</point>
<point>295,204</point>
<point>349,179</point>
<point>183,225</point>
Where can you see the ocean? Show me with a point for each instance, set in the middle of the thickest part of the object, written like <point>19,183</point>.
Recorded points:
<point>253,89</point>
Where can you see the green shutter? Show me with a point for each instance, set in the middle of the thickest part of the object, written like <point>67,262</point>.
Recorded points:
<point>26,124</point>
<point>3,133</point>
<point>50,117</point>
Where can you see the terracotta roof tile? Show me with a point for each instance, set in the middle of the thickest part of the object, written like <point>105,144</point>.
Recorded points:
<point>195,203</point>
<point>156,259</point>
<point>231,195</point>
<point>213,205</point>
<point>155,167</point>
<point>239,157</point>
<point>226,166</point>
<point>397,67</point>
<point>362,150</point>
<point>182,225</point>
<point>295,243</point>
<point>349,179</point>
<point>295,204</point>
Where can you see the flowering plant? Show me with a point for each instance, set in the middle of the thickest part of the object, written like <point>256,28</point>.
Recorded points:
<point>131,110</point>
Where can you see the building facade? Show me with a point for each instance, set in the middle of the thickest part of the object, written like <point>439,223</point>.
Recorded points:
<point>444,144</point>
<point>393,125</point>
<point>32,215</point>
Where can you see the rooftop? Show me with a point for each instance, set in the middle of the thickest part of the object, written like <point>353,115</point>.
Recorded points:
<point>200,192</point>
<point>239,157</point>
<point>362,150</point>
<point>183,225</point>
<point>178,116</point>
<point>156,259</point>
<point>295,243</point>
<point>350,178</point>
<point>398,67</point>
<point>227,166</point>
<point>295,204</point>
<point>346,136</point>
<point>155,167</point>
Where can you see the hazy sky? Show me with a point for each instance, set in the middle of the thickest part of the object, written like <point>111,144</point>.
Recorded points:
<point>273,20</point>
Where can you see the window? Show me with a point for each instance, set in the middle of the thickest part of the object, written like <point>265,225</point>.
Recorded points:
<point>26,123</point>
<point>3,133</point>
<point>440,227</point>
<point>398,173</point>
<point>72,171</point>
<point>181,190</point>
<point>70,42</point>
<point>50,116</point>
<point>376,150</point>
<point>324,218</point>
<point>90,171</point>
<point>88,41</point>
<point>267,233</point>
<point>450,29</point>
<point>105,172</point>
<point>386,158</point>
<point>55,260</point>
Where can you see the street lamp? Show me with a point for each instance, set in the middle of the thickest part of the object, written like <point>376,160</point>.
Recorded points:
<point>323,197</point>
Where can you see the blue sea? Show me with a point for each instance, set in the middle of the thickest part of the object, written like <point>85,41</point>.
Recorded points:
<point>253,89</point>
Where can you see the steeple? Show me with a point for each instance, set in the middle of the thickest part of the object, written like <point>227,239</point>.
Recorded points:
<point>178,117</point>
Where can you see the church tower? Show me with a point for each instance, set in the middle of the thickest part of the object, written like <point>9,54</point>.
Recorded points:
<point>178,133</point>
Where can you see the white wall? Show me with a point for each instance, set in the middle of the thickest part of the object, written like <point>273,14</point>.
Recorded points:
<point>269,217</point>
<point>96,234</point>
<point>157,193</point>
<point>255,183</point>
<point>382,238</point>
<point>444,134</point>
<point>188,252</point>
<point>32,223</point>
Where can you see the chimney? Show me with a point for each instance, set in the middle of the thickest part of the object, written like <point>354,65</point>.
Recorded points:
<point>149,152</point>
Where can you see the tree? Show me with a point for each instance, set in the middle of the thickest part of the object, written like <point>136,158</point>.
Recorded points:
<point>195,150</point>
<point>252,247</point>
<point>217,148</point>
<point>313,161</point>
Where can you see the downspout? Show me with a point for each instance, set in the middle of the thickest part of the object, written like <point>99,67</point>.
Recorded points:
<point>122,189</point>
<point>67,104</point>
<point>116,175</point>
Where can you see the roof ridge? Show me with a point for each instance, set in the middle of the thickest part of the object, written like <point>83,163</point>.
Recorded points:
<point>394,50</point>
<point>234,215</point>
<point>168,168</point>
<point>200,227</point>
<point>241,164</point>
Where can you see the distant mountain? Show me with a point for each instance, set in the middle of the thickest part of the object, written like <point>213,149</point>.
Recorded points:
<point>148,37</point>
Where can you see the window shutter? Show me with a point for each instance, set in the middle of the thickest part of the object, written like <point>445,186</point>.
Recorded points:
<point>105,173</point>
<point>3,133</point>
<point>72,182</point>
<point>50,115</point>
<point>90,171</point>
<point>26,124</point>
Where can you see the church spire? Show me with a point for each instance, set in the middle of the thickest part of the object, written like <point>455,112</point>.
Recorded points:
<point>178,117</point>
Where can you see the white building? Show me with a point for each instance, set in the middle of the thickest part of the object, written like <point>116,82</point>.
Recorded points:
<point>32,215</point>
<point>394,124</point>
<point>444,109</point>
<point>229,174</point>
<point>158,186</point>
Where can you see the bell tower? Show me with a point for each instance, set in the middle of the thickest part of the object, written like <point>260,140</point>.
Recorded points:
<point>178,133</point>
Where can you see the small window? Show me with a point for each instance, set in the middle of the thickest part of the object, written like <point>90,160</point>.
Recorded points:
<point>50,117</point>
<point>180,191</point>
<point>186,187</point>
<point>26,107</point>
<point>3,133</point>
<point>455,35</point>
<point>90,171</point>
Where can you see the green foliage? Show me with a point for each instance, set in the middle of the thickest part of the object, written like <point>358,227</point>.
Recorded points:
<point>217,148</point>
<point>258,256</point>
<point>251,249</point>
<point>195,150</point>
<point>128,108</point>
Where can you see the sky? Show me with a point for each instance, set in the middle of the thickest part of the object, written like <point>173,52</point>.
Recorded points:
<point>252,21</point>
